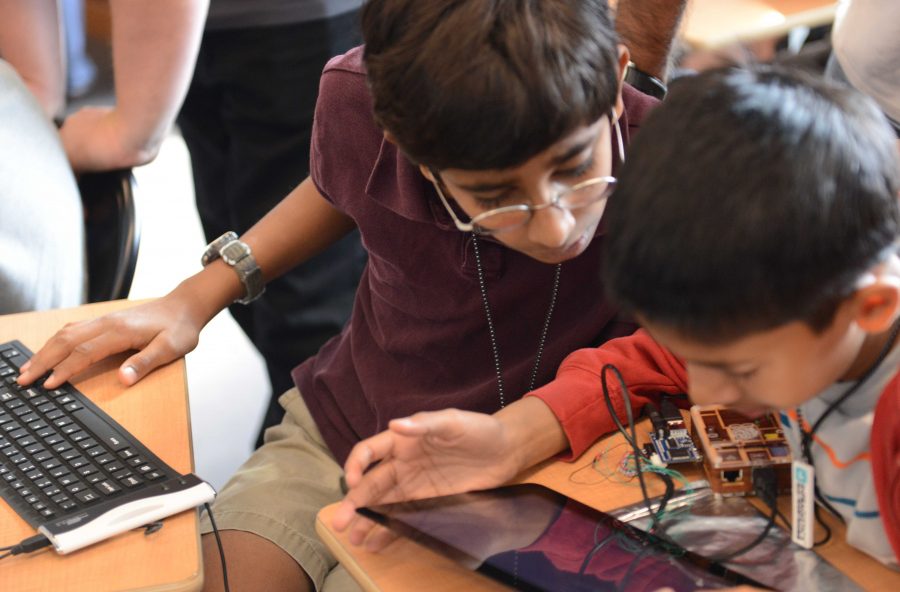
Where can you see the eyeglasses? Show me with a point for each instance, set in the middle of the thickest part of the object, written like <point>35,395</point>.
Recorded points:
<point>584,194</point>
<point>587,193</point>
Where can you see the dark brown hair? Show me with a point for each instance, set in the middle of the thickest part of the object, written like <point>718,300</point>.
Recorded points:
<point>750,199</point>
<point>487,84</point>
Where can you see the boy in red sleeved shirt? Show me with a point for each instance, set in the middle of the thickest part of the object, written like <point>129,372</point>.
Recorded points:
<point>754,235</point>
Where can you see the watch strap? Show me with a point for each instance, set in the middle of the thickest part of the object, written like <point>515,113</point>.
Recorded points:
<point>646,83</point>
<point>238,255</point>
<point>213,249</point>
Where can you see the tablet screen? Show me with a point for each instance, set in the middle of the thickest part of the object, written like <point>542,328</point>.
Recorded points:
<point>532,538</point>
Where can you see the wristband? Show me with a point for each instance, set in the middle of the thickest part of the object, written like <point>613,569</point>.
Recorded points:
<point>238,256</point>
<point>647,84</point>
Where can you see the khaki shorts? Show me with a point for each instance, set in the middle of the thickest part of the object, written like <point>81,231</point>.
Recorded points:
<point>277,493</point>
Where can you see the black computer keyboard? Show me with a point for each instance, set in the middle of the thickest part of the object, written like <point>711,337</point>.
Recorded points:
<point>66,466</point>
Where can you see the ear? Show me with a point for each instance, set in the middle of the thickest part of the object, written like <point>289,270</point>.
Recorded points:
<point>876,304</point>
<point>390,137</point>
<point>426,172</point>
<point>624,58</point>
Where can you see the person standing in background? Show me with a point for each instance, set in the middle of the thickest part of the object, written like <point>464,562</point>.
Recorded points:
<point>153,44</point>
<point>247,121</point>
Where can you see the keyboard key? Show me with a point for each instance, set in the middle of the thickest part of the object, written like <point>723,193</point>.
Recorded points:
<point>87,496</point>
<point>130,481</point>
<point>42,456</point>
<point>51,464</point>
<point>34,449</point>
<point>67,479</point>
<point>101,430</point>
<point>86,470</point>
<point>62,422</point>
<point>76,487</point>
<point>47,432</point>
<point>27,443</point>
<point>107,488</point>
<point>62,447</point>
<point>114,466</point>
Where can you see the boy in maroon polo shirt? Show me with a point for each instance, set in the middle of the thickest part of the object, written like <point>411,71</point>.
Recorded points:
<point>503,120</point>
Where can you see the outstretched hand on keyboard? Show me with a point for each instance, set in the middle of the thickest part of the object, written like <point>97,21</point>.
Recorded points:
<point>160,331</point>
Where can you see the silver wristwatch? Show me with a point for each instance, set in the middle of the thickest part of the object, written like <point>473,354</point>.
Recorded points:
<point>239,256</point>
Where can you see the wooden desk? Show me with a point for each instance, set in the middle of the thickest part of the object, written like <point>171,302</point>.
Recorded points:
<point>404,565</point>
<point>709,24</point>
<point>156,411</point>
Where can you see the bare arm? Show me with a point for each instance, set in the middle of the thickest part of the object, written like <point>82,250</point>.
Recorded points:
<point>155,46</point>
<point>298,228</point>
<point>647,28</point>
<point>30,42</point>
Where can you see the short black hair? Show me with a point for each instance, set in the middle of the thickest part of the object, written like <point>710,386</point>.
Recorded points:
<point>750,199</point>
<point>487,84</point>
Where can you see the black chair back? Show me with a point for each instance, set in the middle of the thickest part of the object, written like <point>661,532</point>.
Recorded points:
<point>112,233</point>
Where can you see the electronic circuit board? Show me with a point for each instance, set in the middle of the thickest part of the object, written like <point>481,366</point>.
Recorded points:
<point>733,444</point>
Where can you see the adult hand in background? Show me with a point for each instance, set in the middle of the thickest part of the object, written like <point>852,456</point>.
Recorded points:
<point>154,48</point>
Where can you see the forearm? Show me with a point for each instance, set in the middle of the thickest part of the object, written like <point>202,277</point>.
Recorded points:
<point>648,28</point>
<point>155,47</point>
<point>30,42</point>
<point>532,431</point>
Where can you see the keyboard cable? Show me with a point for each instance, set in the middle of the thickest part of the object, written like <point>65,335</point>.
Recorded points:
<point>212,521</point>
<point>28,545</point>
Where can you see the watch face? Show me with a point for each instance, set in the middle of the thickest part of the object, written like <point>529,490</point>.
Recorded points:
<point>234,252</point>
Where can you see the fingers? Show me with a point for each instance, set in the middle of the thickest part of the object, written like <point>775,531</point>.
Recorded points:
<point>79,345</point>
<point>75,341</point>
<point>440,425</point>
<point>365,453</point>
<point>379,538</point>
<point>158,352</point>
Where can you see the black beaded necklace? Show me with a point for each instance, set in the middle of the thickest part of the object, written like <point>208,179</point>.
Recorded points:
<point>495,346</point>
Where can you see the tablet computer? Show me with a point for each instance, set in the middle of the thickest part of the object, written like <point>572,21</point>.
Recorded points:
<point>532,538</point>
